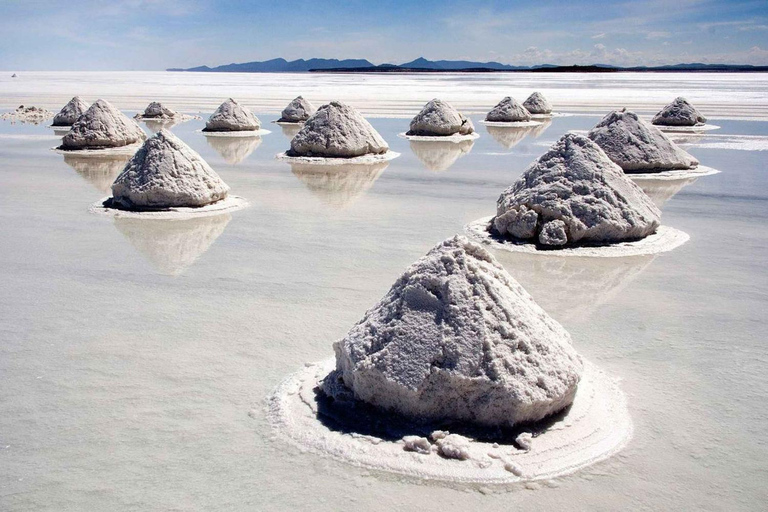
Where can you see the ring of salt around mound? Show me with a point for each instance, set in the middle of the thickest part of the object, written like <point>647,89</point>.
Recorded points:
<point>511,123</point>
<point>682,174</point>
<point>242,133</point>
<point>319,160</point>
<point>130,149</point>
<point>664,239</point>
<point>177,117</point>
<point>687,129</point>
<point>228,204</point>
<point>594,428</point>
<point>288,123</point>
<point>456,137</point>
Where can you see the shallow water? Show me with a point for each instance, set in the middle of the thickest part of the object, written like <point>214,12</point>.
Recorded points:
<point>135,360</point>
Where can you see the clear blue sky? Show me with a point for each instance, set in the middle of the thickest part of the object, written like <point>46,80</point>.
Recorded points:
<point>156,34</point>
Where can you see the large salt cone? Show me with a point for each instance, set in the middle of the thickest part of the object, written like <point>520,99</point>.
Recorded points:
<point>337,130</point>
<point>457,338</point>
<point>156,110</point>
<point>102,126</point>
<point>537,104</point>
<point>71,111</point>
<point>439,118</point>
<point>679,113</point>
<point>508,110</point>
<point>166,173</point>
<point>297,111</point>
<point>232,117</point>
<point>574,194</point>
<point>637,146</point>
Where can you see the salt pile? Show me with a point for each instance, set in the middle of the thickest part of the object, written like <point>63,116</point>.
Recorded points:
<point>439,119</point>
<point>232,117</point>
<point>157,110</point>
<point>102,126</point>
<point>166,173</point>
<point>297,111</point>
<point>337,130</point>
<point>440,155</point>
<point>31,115</point>
<point>508,110</point>
<point>537,104</point>
<point>637,146</point>
<point>457,338</point>
<point>71,111</point>
<point>574,194</point>
<point>679,113</point>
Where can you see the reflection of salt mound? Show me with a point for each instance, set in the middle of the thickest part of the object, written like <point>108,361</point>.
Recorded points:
<point>337,130</point>
<point>679,113</point>
<point>98,171</point>
<point>456,338</point>
<point>172,246</point>
<point>297,111</point>
<point>508,136</point>
<point>338,185</point>
<point>439,118</point>
<point>508,110</point>
<point>232,117</point>
<point>290,130</point>
<point>574,194</point>
<point>637,146</point>
<point>537,104</point>
<point>166,173</point>
<point>234,149</point>
<point>661,191</point>
<point>71,111</point>
<point>157,110</point>
<point>102,126</point>
<point>155,125</point>
<point>539,129</point>
<point>440,155</point>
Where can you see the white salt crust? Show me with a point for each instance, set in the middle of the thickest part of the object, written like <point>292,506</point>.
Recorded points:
<point>130,149</point>
<point>288,123</point>
<point>663,240</point>
<point>244,133</point>
<point>456,137</point>
<point>696,172</point>
<point>515,123</point>
<point>596,427</point>
<point>550,115</point>
<point>229,204</point>
<point>179,118</point>
<point>363,159</point>
<point>699,128</point>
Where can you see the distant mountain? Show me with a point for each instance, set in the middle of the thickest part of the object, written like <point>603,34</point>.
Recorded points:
<point>282,66</point>
<point>448,65</point>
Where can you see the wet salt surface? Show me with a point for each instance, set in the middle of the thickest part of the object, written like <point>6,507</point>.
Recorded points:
<point>128,388</point>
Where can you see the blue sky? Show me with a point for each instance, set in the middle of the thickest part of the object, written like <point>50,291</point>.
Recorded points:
<point>156,34</point>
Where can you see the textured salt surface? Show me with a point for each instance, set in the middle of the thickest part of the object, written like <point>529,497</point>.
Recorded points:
<point>536,103</point>
<point>232,117</point>
<point>508,110</point>
<point>456,137</point>
<point>664,239</point>
<point>440,155</point>
<point>438,118</point>
<point>71,111</point>
<point>229,204</point>
<point>679,113</point>
<point>27,114</point>
<point>364,159</point>
<point>594,428</point>
<point>102,126</point>
<point>297,111</point>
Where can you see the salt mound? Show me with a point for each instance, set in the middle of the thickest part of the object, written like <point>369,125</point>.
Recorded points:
<point>574,194</point>
<point>440,155</point>
<point>102,126</point>
<point>456,337</point>
<point>679,113</point>
<point>637,146</point>
<point>29,114</point>
<point>232,117</point>
<point>156,110</point>
<point>166,173</point>
<point>297,111</point>
<point>508,110</point>
<point>337,130</point>
<point>537,104</point>
<point>439,118</point>
<point>71,111</point>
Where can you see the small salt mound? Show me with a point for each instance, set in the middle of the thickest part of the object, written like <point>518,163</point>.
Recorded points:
<point>438,118</point>
<point>232,117</point>
<point>574,194</point>
<point>457,338</point>
<point>638,146</point>
<point>508,110</point>
<point>337,130</point>
<point>537,104</point>
<point>297,111</point>
<point>679,113</point>
<point>102,126</point>
<point>71,111</point>
<point>166,173</point>
<point>156,110</point>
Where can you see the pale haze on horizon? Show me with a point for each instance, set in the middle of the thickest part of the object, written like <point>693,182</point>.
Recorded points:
<point>157,34</point>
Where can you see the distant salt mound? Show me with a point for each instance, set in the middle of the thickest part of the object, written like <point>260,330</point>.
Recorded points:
<point>679,113</point>
<point>457,338</point>
<point>157,110</point>
<point>102,126</point>
<point>508,110</point>
<point>637,146</point>
<point>232,117</point>
<point>297,111</point>
<point>439,118</point>
<point>166,173</point>
<point>337,130</point>
<point>574,194</point>
<point>537,104</point>
<point>71,111</point>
